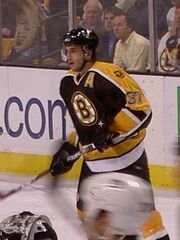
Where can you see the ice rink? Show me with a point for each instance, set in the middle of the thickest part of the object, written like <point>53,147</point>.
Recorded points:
<point>59,206</point>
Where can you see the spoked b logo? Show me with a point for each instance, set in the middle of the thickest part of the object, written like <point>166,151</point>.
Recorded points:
<point>84,109</point>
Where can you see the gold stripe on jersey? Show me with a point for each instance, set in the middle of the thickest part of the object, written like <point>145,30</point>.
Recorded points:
<point>71,72</point>
<point>123,122</point>
<point>153,228</point>
<point>128,125</point>
<point>117,163</point>
<point>90,80</point>
<point>118,149</point>
<point>136,99</point>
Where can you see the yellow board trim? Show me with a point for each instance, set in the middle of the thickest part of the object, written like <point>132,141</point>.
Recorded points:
<point>165,176</point>
<point>29,164</point>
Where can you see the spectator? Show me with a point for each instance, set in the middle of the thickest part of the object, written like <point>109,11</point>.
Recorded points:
<point>124,5</point>
<point>132,49</point>
<point>169,47</point>
<point>92,19</point>
<point>108,38</point>
<point>171,13</point>
<point>26,41</point>
<point>92,16</point>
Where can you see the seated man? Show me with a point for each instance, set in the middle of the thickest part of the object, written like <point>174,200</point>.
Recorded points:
<point>92,16</point>
<point>132,49</point>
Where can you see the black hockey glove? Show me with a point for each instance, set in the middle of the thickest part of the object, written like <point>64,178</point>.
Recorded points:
<point>102,137</point>
<point>59,164</point>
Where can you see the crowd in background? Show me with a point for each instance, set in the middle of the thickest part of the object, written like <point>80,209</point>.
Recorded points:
<point>32,32</point>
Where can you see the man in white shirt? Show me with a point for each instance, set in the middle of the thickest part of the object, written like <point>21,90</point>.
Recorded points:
<point>132,49</point>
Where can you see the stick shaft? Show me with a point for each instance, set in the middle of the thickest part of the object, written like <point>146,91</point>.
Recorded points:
<point>15,190</point>
<point>73,157</point>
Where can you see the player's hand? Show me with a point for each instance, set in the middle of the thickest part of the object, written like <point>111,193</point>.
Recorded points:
<point>102,137</point>
<point>60,164</point>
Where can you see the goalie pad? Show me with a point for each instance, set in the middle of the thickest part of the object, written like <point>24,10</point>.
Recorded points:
<point>27,226</point>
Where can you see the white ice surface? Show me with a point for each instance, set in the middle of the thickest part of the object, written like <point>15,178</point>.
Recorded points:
<point>60,207</point>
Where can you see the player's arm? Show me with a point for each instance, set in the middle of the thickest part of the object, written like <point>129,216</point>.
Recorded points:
<point>111,100</point>
<point>115,101</point>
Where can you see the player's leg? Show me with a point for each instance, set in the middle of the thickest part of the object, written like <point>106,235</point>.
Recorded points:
<point>85,173</point>
<point>153,229</point>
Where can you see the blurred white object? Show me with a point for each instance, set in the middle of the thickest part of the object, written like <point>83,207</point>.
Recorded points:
<point>116,204</point>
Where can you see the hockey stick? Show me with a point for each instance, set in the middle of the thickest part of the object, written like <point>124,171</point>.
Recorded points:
<point>73,157</point>
<point>15,190</point>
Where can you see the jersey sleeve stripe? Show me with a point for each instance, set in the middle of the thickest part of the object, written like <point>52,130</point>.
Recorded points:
<point>109,79</point>
<point>134,131</point>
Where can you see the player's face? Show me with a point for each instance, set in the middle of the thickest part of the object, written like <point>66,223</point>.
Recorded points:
<point>75,57</point>
<point>101,224</point>
<point>97,229</point>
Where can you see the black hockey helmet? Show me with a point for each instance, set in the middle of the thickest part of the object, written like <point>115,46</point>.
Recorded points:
<point>81,36</point>
<point>27,226</point>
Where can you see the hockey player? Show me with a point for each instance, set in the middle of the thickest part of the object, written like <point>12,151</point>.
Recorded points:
<point>110,110</point>
<point>116,205</point>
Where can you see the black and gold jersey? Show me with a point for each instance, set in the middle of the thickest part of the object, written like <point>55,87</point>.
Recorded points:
<point>107,94</point>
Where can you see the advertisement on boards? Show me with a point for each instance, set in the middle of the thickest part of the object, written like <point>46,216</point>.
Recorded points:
<point>34,120</point>
<point>33,115</point>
